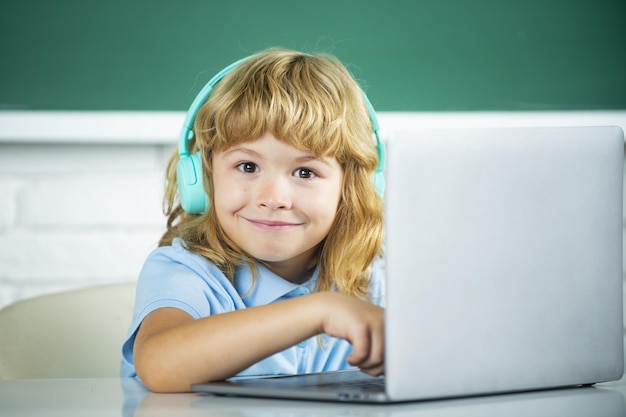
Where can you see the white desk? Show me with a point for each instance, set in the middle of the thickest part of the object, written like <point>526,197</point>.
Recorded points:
<point>125,397</point>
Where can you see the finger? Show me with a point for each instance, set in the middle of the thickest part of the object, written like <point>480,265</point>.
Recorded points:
<point>360,348</point>
<point>374,371</point>
<point>377,349</point>
<point>376,353</point>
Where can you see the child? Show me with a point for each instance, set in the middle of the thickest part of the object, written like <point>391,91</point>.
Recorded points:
<point>284,243</point>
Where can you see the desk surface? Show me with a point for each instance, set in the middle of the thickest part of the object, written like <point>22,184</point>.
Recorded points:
<point>126,397</point>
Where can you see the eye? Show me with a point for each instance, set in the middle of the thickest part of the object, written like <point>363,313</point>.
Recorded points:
<point>304,173</point>
<point>248,167</point>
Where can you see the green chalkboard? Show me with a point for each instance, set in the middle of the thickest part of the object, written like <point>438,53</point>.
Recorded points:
<point>411,55</point>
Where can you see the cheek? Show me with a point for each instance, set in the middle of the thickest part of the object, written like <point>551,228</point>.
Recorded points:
<point>228,201</point>
<point>325,209</point>
<point>225,189</point>
<point>226,210</point>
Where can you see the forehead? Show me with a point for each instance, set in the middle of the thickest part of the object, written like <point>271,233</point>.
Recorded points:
<point>268,147</point>
<point>318,149</point>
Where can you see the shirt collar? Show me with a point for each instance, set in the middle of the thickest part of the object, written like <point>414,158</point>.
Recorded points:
<point>268,287</point>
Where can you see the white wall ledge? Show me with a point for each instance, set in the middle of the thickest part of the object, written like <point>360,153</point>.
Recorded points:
<point>156,128</point>
<point>90,127</point>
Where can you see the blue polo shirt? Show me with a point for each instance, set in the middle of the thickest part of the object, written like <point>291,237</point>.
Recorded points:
<point>175,277</point>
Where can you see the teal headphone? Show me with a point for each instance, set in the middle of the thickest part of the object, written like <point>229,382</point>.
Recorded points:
<point>193,198</point>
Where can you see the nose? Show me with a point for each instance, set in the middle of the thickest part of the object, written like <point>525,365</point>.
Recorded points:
<point>274,193</point>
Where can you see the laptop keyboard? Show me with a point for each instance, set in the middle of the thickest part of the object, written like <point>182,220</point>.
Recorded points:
<point>367,384</point>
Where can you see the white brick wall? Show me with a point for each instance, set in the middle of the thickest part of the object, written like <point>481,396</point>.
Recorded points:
<point>74,215</point>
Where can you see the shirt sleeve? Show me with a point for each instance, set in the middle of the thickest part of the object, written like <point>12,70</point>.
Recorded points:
<point>175,278</point>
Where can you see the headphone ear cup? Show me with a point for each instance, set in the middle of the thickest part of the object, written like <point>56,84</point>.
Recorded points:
<point>191,193</point>
<point>378,179</point>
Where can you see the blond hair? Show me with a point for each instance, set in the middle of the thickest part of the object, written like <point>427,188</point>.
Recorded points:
<point>312,103</point>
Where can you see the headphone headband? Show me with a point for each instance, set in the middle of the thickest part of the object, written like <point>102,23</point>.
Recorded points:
<point>186,133</point>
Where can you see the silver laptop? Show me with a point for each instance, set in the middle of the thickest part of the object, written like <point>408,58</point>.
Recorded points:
<point>504,268</point>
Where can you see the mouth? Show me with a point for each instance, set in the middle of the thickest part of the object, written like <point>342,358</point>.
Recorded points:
<point>272,225</point>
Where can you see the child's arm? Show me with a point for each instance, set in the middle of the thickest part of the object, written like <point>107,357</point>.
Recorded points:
<point>172,350</point>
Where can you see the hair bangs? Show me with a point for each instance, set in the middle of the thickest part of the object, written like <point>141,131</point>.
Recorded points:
<point>302,100</point>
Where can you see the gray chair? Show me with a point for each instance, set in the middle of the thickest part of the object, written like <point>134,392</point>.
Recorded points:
<point>66,335</point>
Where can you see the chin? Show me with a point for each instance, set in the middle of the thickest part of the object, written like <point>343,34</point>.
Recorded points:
<point>273,259</point>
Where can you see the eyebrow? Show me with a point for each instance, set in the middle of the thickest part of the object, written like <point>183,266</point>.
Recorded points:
<point>240,149</point>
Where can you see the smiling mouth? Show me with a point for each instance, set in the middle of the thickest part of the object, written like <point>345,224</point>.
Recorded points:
<point>272,226</point>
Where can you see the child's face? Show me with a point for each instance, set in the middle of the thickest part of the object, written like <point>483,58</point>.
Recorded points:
<point>276,202</point>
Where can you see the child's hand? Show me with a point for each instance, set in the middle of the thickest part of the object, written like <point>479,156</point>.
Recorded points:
<point>360,323</point>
